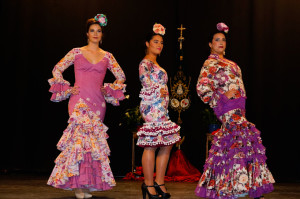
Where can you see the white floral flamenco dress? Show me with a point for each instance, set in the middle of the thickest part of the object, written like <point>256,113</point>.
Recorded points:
<point>157,130</point>
<point>83,161</point>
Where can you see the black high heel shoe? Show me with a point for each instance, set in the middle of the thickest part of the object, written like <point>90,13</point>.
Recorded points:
<point>164,195</point>
<point>146,191</point>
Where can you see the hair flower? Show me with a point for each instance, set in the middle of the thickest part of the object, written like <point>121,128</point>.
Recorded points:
<point>222,27</point>
<point>101,18</point>
<point>159,29</point>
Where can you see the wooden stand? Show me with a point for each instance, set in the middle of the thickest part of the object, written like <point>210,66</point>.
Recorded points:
<point>209,138</point>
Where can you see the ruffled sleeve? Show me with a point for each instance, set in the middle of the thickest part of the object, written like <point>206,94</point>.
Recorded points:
<point>206,85</point>
<point>151,90</point>
<point>60,88</point>
<point>115,91</point>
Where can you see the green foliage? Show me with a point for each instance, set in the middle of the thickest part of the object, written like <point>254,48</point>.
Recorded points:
<point>209,117</point>
<point>132,118</point>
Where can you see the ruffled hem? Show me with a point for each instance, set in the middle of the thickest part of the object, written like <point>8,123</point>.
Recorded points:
<point>157,134</point>
<point>59,89</point>
<point>156,128</point>
<point>238,146</point>
<point>53,81</point>
<point>85,134</point>
<point>210,193</point>
<point>259,191</point>
<point>236,165</point>
<point>253,192</point>
<point>90,177</point>
<point>114,93</point>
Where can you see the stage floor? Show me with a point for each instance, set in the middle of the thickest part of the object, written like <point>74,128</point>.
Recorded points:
<point>33,187</point>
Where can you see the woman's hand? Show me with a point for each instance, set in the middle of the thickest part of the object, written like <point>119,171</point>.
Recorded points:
<point>163,92</point>
<point>74,90</point>
<point>231,93</point>
<point>103,90</point>
<point>118,81</point>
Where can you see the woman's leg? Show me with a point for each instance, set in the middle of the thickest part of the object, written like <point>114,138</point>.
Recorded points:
<point>148,162</point>
<point>162,160</point>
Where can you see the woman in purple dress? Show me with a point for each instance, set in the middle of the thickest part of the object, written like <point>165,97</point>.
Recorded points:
<point>83,163</point>
<point>157,131</point>
<point>236,165</point>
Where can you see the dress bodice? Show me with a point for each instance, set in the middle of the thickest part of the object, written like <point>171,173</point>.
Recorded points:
<point>88,74</point>
<point>151,74</point>
<point>89,80</point>
<point>217,76</point>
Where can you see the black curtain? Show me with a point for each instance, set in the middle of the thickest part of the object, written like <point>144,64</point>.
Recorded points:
<point>263,40</point>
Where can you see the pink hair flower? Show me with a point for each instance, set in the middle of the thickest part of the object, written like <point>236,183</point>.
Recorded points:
<point>222,27</point>
<point>159,29</point>
<point>101,18</point>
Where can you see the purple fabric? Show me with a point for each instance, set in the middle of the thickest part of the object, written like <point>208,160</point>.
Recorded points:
<point>259,191</point>
<point>253,193</point>
<point>89,177</point>
<point>118,94</point>
<point>226,144</point>
<point>210,193</point>
<point>58,88</point>
<point>224,104</point>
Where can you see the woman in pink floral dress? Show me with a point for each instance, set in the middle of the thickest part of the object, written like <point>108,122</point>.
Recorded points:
<point>157,131</point>
<point>236,165</point>
<point>83,163</point>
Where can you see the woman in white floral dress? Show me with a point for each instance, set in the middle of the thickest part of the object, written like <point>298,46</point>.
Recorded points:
<point>157,131</point>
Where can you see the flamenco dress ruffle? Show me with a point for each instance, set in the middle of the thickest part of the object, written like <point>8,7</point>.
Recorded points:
<point>236,165</point>
<point>83,162</point>
<point>157,134</point>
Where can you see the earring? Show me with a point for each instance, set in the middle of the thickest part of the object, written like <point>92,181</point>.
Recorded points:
<point>224,52</point>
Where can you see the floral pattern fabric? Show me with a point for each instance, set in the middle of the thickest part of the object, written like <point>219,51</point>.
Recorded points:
<point>236,165</point>
<point>157,130</point>
<point>83,161</point>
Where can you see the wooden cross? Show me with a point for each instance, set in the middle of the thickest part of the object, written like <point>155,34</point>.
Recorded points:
<point>181,29</point>
<point>181,38</point>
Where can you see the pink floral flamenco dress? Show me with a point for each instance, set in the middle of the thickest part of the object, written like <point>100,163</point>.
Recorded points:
<point>236,165</point>
<point>83,161</point>
<point>157,130</point>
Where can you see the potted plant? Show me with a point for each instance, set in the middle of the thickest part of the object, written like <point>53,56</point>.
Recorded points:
<point>133,119</point>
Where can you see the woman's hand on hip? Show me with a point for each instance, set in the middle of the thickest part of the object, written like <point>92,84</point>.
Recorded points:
<point>74,90</point>
<point>231,93</point>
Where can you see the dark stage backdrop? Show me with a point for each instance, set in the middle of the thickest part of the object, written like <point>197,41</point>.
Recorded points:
<point>263,39</point>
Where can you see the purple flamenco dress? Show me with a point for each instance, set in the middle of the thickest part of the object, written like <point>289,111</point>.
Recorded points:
<point>236,165</point>
<point>157,130</point>
<point>83,161</point>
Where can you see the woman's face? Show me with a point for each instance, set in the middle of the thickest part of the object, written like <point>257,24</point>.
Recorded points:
<point>218,44</point>
<point>95,33</point>
<point>155,45</point>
